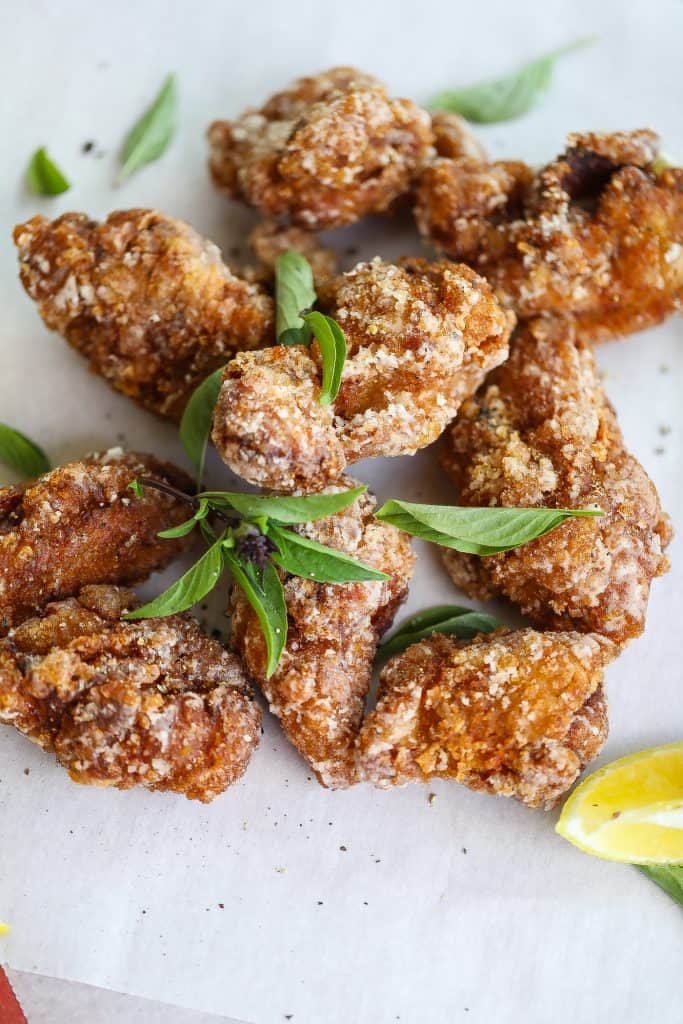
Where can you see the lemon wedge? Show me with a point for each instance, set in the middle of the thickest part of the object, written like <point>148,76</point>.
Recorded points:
<point>631,810</point>
<point>4,928</point>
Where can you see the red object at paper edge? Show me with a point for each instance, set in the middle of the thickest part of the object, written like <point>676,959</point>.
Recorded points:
<point>10,1011</point>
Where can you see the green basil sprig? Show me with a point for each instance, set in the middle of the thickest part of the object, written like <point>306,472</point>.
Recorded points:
<point>502,99</point>
<point>195,425</point>
<point>44,177</point>
<point>294,293</point>
<point>668,876</point>
<point>332,344</point>
<point>150,136</point>
<point>476,531</point>
<point>21,453</point>
<point>449,619</point>
<point>251,550</point>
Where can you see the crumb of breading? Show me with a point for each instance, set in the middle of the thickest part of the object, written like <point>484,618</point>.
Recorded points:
<point>325,151</point>
<point>270,239</point>
<point>80,524</point>
<point>454,138</point>
<point>517,713</point>
<point>319,689</point>
<point>144,298</point>
<point>420,339</point>
<point>597,234</point>
<point>151,703</point>
<point>541,432</point>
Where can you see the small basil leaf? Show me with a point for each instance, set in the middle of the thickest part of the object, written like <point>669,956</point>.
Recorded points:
<point>332,344</point>
<point>136,487</point>
<point>501,99</point>
<point>207,533</point>
<point>450,620</point>
<point>310,560</point>
<point>476,531</point>
<point>179,531</point>
<point>20,453</point>
<point>263,590</point>
<point>190,588</point>
<point>150,136</point>
<point>195,425</point>
<point>285,510</point>
<point>294,292</point>
<point>44,177</point>
<point>668,876</point>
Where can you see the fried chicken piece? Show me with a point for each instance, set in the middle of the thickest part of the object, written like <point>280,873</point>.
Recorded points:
<point>513,713</point>
<point>144,298</point>
<point>542,433</point>
<point>420,338</point>
<point>319,689</point>
<point>270,239</point>
<point>151,703</point>
<point>597,234</point>
<point>453,138</point>
<point>80,524</point>
<point>325,152</point>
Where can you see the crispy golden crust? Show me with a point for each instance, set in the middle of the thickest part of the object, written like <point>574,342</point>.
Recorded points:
<point>326,151</point>
<point>319,689</point>
<point>420,339</point>
<point>541,432</point>
<point>80,524</point>
<point>597,234</point>
<point>144,298</point>
<point>453,138</point>
<point>514,713</point>
<point>270,239</point>
<point>151,703</point>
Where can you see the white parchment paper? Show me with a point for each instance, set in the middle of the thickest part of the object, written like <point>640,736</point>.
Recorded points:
<point>281,900</point>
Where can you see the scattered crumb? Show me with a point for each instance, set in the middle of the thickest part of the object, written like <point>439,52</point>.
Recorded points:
<point>464,849</point>
<point>281,871</point>
<point>431,799</point>
<point>664,429</point>
<point>27,771</point>
<point>343,849</point>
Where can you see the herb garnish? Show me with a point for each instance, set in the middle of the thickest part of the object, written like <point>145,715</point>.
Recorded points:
<point>449,619</point>
<point>501,99</point>
<point>20,453</point>
<point>251,547</point>
<point>150,135</point>
<point>195,425</point>
<point>476,531</point>
<point>43,176</point>
<point>668,876</point>
<point>297,324</point>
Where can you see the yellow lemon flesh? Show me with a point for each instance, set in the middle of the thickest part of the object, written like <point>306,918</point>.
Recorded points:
<point>631,810</point>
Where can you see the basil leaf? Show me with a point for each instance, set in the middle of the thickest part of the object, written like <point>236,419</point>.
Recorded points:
<point>668,876</point>
<point>332,343</point>
<point>476,531</point>
<point>20,453</point>
<point>263,590</point>
<point>284,510</point>
<point>502,99</point>
<point>190,588</point>
<point>449,619</point>
<point>195,425</point>
<point>306,558</point>
<point>44,177</point>
<point>136,487</point>
<point>150,136</point>
<point>179,531</point>
<point>294,292</point>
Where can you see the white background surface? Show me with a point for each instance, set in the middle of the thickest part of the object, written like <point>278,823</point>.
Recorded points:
<point>123,889</point>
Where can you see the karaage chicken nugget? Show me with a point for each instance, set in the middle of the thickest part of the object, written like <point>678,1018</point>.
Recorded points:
<point>319,689</point>
<point>81,524</point>
<point>597,234</point>
<point>420,338</point>
<point>514,713</point>
<point>151,703</point>
<point>144,298</point>
<point>541,432</point>
<point>325,152</point>
<point>454,138</point>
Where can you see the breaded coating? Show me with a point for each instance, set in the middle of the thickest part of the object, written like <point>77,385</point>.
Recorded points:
<point>319,689</point>
<point>144,298</point>
<point>324,152</point>
<point>270,239</point>
<point>454,138</point>
<point>541,432</point>
<point>80,524</point>
<point>420,339</point>
<point>597,234</point>
<point>513,713</point>
<point>151,703</point>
